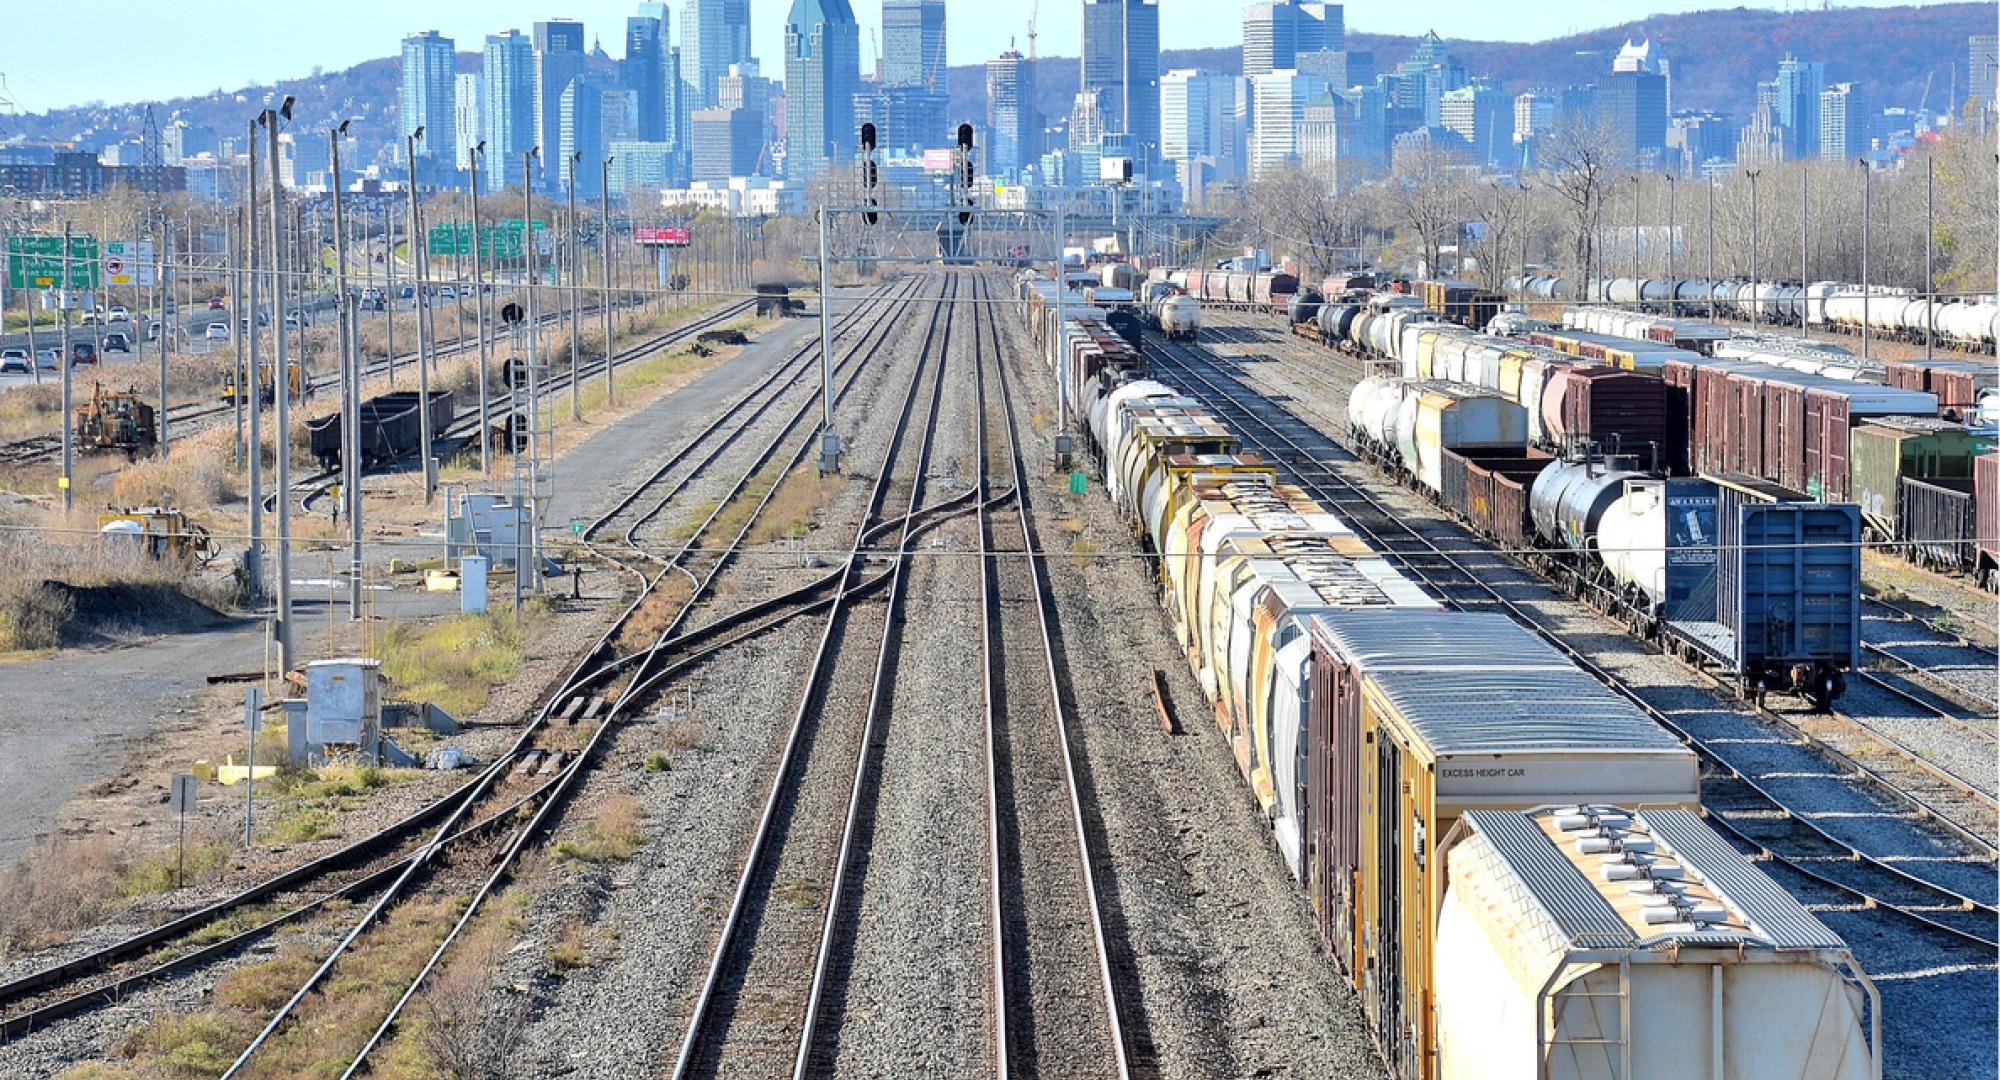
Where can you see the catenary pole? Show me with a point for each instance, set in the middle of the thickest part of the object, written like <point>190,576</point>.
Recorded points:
<point>604,286</point>
<point>246,386</point>
<point>281,394</point>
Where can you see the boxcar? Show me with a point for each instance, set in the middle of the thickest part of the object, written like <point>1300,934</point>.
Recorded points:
<point>1884,450</point>
<point>1418,717</point>
<point>1986,518</point>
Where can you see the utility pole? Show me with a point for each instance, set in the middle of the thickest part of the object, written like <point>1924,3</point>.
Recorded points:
<point>246,387</point>
<point>1805,248</point>
<point>479,310</point>
<point>350,388</point>
<point>604,286</point>
<point>1522,292</point>
<point>389,293</point>
<point>1673,241</point>
<point>534,386</point>
<point>1635,235</point>
<point>160,275</point>
<point>1711,245</point>
<point>829,447</point>
<point>1930,279</point>
<point>424,432</point>
<point>575,331</point>
<point>63,363</point>
<point>1867,212</point>
<point>1755,300</point>
<point>233,274</point>
<point>281,391</point>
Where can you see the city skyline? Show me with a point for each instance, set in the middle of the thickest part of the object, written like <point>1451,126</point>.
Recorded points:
<point>238,53</point>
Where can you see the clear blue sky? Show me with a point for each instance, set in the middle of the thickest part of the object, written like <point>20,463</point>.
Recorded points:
<point>56,53</point>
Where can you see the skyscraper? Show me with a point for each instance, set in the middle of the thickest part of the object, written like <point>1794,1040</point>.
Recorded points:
<point>1843,122</point>
<point>1011,123</point>
<point>1633,106</point>
<point>1485,117</point>
<point>507,106</point>
<point>579,131</point>
<point>1121,65</point>
<point>1278,100</point>
<point>1199,123</point>
<point>428,100</point>
<point>822,74</point>
<point>558,60</point>
<point>744,87</point>
<point>714,35</point>
<point>465,117</point>
<point>1982,69</point>
<point>1276,33</point>
<point>913,73</point>
<point>1798,86</point>
<point>644,71</point>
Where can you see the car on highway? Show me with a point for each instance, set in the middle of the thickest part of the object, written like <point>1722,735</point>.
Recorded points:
<point>217,332</point>
<point>14,361</point>
<point>46,358</point>
<point>171,307</point>
<point>407,292</point>
<point>447,293</point>
<point>292,321</point>
<point>215,303</point>
<point>116,341</point>
<point>372,299</point>
<point>81,353</point>
<point>152,331</point>
<point>119,314</point>
<point>90,318</point>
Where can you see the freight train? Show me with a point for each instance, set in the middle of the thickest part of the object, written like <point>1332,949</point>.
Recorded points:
<point>1502,855</point>
<point>1683,413</point>
<point>1832,305</point>
<point>391,426</point>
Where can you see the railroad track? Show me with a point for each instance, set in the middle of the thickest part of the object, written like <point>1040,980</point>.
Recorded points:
<point>374,863</point>
<point>1800,844</point>
<point>1055,995</point>
<point>757,1002</point>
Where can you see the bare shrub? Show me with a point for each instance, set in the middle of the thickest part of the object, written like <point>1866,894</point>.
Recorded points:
<point>62,893</point>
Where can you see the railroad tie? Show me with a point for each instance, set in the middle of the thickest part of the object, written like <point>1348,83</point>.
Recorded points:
<point>573,708</point>
<point>595,708</point>
<point>551,762</point>
<point>526,766</point>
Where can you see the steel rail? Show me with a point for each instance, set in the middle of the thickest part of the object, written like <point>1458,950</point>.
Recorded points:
<point>817,672</point>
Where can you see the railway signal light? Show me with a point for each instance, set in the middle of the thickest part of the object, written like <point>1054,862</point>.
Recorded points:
<point>966,167</point>
<point>870,177</point>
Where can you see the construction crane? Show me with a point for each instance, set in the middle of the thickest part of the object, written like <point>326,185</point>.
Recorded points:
<point>875,46</point>
<point>1034,8</point>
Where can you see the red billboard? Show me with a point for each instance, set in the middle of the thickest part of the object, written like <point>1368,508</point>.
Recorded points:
<point>661,236</point>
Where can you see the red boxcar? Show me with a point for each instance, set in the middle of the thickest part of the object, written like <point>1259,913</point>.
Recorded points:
<point>1271,291</point>
<point>1677,377</point>
<point>1333,807</point>
<point>1743,426</point>
<point>1239,288</point>
<point>1829,433</point>
<point>1786,434</point>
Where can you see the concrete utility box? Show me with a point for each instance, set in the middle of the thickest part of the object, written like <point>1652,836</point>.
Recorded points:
<point>344,705</point>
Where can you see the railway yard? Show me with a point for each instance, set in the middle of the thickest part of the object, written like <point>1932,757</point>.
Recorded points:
<point>1190,734</point>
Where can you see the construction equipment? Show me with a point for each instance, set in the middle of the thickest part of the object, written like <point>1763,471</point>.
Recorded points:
<point>116,420</point>
<point>264,369</point>
<point>161,532</point>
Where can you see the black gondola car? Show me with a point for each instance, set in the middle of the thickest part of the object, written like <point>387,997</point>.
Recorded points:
<point>390,427</point>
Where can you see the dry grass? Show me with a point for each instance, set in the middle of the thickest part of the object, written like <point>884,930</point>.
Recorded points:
<point>795,507</point>
<point>33,616</point>
<point>654,615</point>
<point>39,908</point>
<point>456,662</point>
<point>614,835</point>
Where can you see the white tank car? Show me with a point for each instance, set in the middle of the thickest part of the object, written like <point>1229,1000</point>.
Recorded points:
<point>1179,317</point>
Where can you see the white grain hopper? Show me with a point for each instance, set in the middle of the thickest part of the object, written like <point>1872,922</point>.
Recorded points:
<point>1592,943</point>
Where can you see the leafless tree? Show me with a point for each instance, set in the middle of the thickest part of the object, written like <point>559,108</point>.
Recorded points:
<point>1578,156</point>
<point>1426,196</point>
<point>1300,210</point>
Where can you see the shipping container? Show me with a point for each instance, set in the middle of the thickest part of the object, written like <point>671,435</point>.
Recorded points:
<point>1590,941</point>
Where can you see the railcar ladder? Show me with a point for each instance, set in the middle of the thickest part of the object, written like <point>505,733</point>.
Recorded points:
<point>1624,1040</point>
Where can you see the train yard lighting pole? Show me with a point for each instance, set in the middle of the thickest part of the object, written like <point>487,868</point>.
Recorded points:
<point>1635,234</point>
<point>350,386</point>
<point>424,432</point>
<point>1673,241</point>
<point>1805,246</point>
<point>281,390</point>
<point>604,286</point>
<point>533,381</point>
<point>1930,279</point>
<point>389,287</point>
<point>829,446</point>
<point>1523,291</point>
<point>246,383</point>
<point>1711,245</point>
<point>233,275</point>
<point>63,363</point>
<point>1755,301</point>
<point>1867,214</point>
<point>479,314</point>
<point>575,330</point>
<point>160,276</point>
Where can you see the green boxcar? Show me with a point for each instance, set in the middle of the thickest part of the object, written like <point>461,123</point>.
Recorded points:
<point>1896,446</point>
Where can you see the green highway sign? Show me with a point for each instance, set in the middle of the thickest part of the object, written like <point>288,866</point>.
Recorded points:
<point>36,262</point>
<point>501,241</point>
